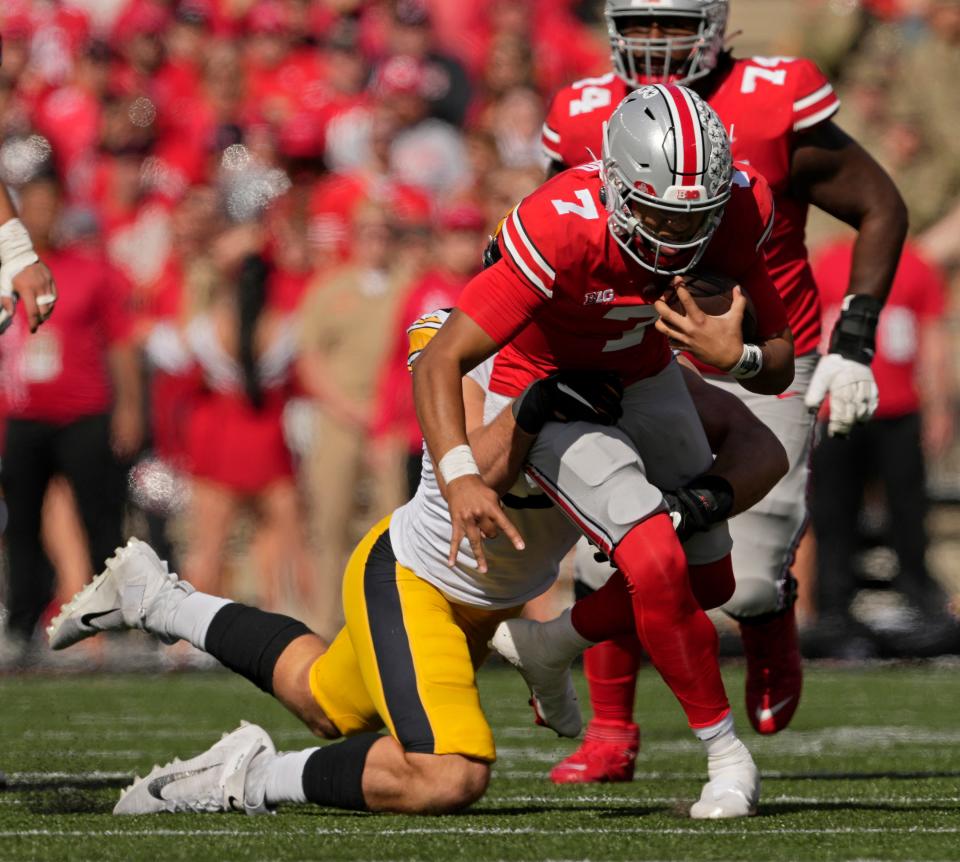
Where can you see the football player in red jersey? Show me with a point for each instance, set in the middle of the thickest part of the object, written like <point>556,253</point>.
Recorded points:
<point>22,274</point>
<point>777,111</point>
<point>582,261</point>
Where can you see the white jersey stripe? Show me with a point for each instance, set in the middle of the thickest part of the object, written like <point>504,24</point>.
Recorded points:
<point>519,261</point>
<point>813,98</point>
<point>818,117</point>
<point>769,228</point>
<point>551,275</point>
<point>550,154</point>
<point>550,134</point>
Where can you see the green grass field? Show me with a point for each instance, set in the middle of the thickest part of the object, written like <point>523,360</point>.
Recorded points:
<point>870,769</point>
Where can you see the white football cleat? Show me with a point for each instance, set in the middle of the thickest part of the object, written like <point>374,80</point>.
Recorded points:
<point>554,699</point>
<point>210,782</point>
<point>733,789</point>
<point>134,591</point>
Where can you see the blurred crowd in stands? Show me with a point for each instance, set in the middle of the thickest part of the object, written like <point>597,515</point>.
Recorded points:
<point>245,202</point>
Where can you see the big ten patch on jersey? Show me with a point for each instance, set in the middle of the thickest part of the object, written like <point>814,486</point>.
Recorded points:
<point>587,305</point>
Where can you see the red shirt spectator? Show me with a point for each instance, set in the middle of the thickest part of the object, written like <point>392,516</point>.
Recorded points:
<point>918,297</point>
<point>335,198</point>
<point>459,246</point>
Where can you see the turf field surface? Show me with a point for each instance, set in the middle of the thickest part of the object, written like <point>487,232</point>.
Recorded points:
<point>870,769</point>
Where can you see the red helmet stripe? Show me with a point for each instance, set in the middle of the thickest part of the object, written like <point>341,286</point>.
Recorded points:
<point>687,133</point>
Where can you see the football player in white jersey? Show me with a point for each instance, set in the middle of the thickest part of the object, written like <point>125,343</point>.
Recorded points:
<point>416,631</point>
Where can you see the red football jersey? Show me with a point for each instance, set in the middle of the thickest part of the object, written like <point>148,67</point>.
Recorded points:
<point>565,295</point>
<point>764,102</point>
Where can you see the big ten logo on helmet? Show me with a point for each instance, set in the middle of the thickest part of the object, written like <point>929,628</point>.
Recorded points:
<point>598,297</point>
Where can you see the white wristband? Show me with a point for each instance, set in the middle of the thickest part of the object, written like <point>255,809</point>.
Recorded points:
<point>750,363</point>
<point>459,461</point>
<point>16,253</point>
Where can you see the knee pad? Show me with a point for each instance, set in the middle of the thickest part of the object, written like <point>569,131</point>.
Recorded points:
<point>596,477</point>
<point>753,597</point>
<point>587,570</point>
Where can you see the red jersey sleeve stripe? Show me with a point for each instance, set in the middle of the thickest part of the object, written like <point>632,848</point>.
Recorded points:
<point>815,110</point>
<point>549,151</point>
<point>550,134</point>
<point>813,98</point>
<point>516,252</point>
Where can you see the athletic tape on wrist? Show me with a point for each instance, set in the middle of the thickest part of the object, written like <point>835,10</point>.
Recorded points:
<point>16,253</point>
<point>459,461</point>
<point>749,364</point>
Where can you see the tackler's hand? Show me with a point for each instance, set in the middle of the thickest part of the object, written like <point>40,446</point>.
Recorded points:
<point>476,513</point>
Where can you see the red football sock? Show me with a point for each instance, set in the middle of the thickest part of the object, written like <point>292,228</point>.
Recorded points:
<point>676,633</point>
<point>611,670</point>
<point>712,583</point>
<point>606,613</point>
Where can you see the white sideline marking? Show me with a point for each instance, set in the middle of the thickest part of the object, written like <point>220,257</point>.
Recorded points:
<point>161,733</point>
<point>95,775</point>
<point>707,829</point>
<point>635,801</point>
<point>557,799</point>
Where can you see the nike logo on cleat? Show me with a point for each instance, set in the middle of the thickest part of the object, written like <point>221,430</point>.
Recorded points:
<point>155,787</point>
<point>87,619</point>
<point>767,714</point>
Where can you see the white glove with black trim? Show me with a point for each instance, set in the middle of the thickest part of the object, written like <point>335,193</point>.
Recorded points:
<point>844,373</point>
<point>852,389</point>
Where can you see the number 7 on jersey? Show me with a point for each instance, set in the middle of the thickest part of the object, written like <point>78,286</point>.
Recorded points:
<point>587,208</point>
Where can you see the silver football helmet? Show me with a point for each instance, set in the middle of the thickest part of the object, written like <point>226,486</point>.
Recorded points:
<point>669,59</point>
<point>667,174</point>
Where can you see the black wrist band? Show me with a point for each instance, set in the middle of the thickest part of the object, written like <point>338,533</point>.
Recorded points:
<point>715,495</point>
<point>530,409</point>
<point>854,336</point>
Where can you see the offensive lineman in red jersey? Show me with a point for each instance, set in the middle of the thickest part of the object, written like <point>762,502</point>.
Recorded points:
<point>777,112</point>
<point>582,261</point>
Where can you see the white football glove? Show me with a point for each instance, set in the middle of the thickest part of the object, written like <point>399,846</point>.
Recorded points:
<point>16,254</point>
<point>852,389</point>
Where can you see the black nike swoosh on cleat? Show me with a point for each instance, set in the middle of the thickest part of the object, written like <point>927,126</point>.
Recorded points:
<point>155,787</point>
<point>86,619</point>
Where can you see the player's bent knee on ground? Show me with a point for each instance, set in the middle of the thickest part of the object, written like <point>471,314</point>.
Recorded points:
<point>447,783</point>
<point>291,684</point>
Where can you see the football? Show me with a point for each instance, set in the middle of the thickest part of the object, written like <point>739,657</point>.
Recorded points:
<point>713,294</point>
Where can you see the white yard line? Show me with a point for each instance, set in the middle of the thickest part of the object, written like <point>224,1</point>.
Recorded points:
<point>95,775</point>
<point>632,801</point>
<point>708,829</point>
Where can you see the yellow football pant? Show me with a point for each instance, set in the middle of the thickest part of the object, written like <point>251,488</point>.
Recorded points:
<point>406,658</point>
